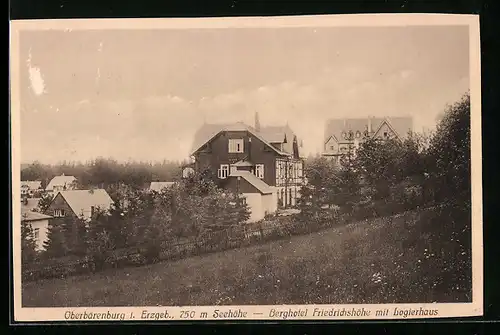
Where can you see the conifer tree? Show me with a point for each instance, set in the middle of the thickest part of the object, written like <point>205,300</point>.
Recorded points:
<point>28,243</point>
<point>54,244</point>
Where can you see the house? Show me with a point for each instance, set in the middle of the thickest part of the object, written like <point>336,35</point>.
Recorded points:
<point>39,224</point>
<point>79,203</point>
<point>158,186</point>
<point>265,164</point>
<point>61,183</point>
<point>29,188</point>
<point>29,205</point>
<point>345,135</point>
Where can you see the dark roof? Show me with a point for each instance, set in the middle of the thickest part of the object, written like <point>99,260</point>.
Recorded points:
<point>269,135</point>
<point>335,127</point>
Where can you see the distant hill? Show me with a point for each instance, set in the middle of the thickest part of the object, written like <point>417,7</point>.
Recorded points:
<point>24,165</point>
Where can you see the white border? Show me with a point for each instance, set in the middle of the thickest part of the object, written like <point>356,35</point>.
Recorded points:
<point>263,312</point>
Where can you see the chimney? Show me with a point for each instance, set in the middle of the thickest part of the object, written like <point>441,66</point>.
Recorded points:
<point>257,121</point>
<point>249,148</point>
<point>369,125</point>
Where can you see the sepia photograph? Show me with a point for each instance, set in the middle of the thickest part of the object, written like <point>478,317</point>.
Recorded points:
<point>267,168</point>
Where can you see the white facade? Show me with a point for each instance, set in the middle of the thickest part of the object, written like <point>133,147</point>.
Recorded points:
<point>260,205</point>
<point>40,225</point>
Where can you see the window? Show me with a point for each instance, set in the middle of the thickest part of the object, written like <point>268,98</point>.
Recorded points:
<point>36,233</point>
<point>223,172</point>
<point>259,171</point>
<point>385,134</point>
<point>235,145</point>
<point>332,147</point>
<point>59,213</point>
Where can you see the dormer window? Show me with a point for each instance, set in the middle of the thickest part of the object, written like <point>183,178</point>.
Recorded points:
<point>236,146</point>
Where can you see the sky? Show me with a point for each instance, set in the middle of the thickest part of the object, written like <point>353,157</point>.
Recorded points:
<point>142,94</point>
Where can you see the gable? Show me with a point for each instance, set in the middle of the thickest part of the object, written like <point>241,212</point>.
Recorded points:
<point>385,131</point>
<point>331,144</point>
<point>58,202</point>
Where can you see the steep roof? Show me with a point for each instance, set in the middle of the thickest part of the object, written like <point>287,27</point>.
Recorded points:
<point>278,134</point>
<point>81,201</point>
<point>269,135</point>
<point>253,180</point>
<point>160,185</point>
<point>32,184</point>
<point>34,216</point>
<point>60,181</point>
<point>336,127</point>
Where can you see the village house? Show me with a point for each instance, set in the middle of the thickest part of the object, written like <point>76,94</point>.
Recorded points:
<point>39,224</point>
<point>264,164</point>
<point>61,183</point>
<point>30,188</point>
<point>79,203</point>
<point>346,135</point>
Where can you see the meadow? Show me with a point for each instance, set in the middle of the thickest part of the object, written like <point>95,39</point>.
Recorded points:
<point>421,256</point>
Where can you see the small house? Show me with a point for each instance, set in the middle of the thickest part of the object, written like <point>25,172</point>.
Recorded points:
<point>61,183</point>
<point>39,224</point>
<point>79,203</point>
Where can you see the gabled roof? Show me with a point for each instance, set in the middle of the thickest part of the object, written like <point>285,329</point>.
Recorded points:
<point>208,131</point>
<point>278,134</point>
<point>399,136</point>
<point>337,127</point>
<point>81,201</point>
<point>60,181</point>
<point>253,180</point>
<point>34,216</point>
<point>330,137</point>
<point>160,185</point>
<point>32,184</point>
<point>243,163</point>
<point>269,135</point>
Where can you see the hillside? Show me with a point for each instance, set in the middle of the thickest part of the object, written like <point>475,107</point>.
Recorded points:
<point>408,258</point>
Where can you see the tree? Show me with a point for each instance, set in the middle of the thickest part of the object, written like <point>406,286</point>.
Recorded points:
<point>323,186</point>
<point>44,203</point>
<point>99,241</point>
<point>74,231</point>
<point>379,162</point>
<point>54,244</point>
<point>448,157</point>
<point>28,243</point>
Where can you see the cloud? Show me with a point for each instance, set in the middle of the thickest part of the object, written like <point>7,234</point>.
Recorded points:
<point>36,80</point>
<point>161,127</point>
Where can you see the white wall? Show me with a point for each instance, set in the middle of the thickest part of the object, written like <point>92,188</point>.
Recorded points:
<point>254,202</point>
<point>43,227</point>
<point>269,203</point>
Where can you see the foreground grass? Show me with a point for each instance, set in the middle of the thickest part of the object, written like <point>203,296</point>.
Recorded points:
<point>421,256</point>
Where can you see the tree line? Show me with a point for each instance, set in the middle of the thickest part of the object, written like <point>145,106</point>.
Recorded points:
<point>103,172</point>
<point>193,208</point>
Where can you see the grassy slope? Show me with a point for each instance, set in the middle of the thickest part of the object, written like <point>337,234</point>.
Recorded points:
<point>414,257</point>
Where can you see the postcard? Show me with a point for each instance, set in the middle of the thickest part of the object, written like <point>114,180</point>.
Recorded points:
<point>250,168</point>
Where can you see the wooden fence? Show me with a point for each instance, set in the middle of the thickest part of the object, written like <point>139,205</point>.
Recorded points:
<point>232,238</point>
